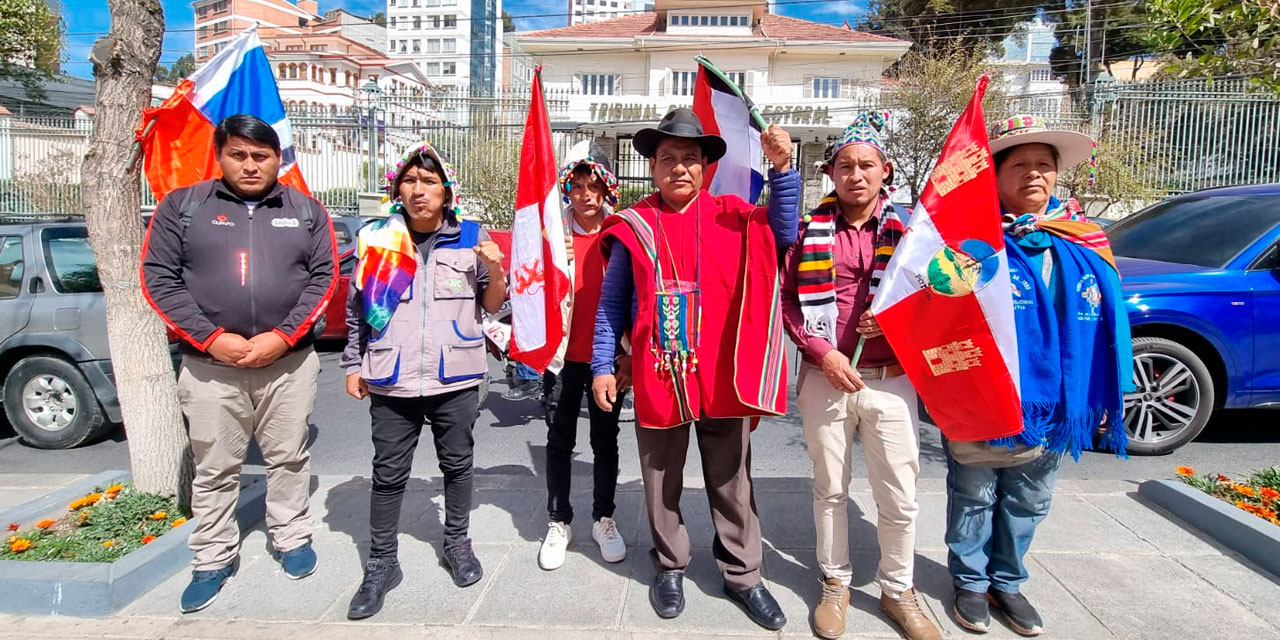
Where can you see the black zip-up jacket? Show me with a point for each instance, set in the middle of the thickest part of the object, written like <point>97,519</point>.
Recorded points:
<point>239,269</point>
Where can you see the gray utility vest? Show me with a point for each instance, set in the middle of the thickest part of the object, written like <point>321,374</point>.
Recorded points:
<point>434,342</point>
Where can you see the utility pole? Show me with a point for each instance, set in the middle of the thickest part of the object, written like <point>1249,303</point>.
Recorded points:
<point>1085,71</point>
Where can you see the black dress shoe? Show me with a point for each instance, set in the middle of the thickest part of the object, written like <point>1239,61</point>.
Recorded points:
<point>972,611</point>
<point>666,594</point>
<point>759,605</point>
<point>463,564</point>
<point>380,576</point>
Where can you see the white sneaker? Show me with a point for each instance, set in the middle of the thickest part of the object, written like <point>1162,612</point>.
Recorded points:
<point>605,533</point>
<point>551,555</point>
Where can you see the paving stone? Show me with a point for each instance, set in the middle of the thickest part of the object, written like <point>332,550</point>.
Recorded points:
<point>1154,525</point>
<point>163,600</point>
<point>1077,526</point>
<point>707,609</point>
<point>584,593</point>
<point>786,519</point>
<point>1251,586</point>
<point>427,595</point>
<point>1151,597</point>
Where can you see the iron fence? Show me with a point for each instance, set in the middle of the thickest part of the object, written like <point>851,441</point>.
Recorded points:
<point>1184,136</point>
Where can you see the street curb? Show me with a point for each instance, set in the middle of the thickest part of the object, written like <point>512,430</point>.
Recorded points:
<point>1242,532</point>
<point>98,589</point>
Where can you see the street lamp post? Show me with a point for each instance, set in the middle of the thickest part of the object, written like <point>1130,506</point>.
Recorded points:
<point>372,92</point>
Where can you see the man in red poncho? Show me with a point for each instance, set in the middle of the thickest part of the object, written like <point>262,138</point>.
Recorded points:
<point>694,280</point>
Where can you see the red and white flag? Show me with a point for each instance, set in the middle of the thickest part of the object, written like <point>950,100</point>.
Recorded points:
<point>539,279</point>
<point>946,302</point>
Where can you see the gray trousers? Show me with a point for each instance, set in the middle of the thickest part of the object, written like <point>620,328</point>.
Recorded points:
<point>725,447</point>
<point>225,407</point>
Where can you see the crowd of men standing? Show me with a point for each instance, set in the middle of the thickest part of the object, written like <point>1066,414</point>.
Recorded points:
<point>675,301</point>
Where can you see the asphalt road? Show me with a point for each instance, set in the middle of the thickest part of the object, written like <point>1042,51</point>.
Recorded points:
<point>511,436</point>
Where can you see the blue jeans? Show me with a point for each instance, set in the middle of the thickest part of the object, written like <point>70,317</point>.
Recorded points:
<point>526,372</point>
<point>992,515</point>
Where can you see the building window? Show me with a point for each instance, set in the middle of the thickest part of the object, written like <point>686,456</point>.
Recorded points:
<point>393,22</point>
<point>825,88</point>
<point>682,82</point>
<point>221,27</point>
<point>1041,75</point>
<point>598,84</point>
<point>433,22</point>
<point>417,22</point>
<point>281,70</point>
<point>451,21</point>
<point>204,51</point>
<point>450,69</point>
<point>416,3</point>
<point>448,3</point>
<point>417,45</point>
<point>404,46</point>
<point>319,47</point>
<point>433,68</point>
<point>433,3</point>
<point>293,47</point>
<point>204,31</point>
<point>433,45</point>
<point>333,76</point>
<point>449,45</point>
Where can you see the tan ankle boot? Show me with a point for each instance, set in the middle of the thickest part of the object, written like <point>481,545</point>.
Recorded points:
<point>905,610</point>
<point>828,616</point>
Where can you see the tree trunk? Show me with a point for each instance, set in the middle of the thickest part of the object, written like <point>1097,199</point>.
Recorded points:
<point>123,64</point>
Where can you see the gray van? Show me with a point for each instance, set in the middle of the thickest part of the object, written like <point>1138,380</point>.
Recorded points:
<point>59,387</point>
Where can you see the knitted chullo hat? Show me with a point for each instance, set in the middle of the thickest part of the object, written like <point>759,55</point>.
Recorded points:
<point>867,128</point>
<point>453,202</point>
<point>589,154</point>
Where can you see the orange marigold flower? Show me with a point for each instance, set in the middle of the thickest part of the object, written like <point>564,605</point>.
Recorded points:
<point>1243,490</point>
<point>87,501</point>
<point>18,545</point>
<point>159,515</point>
<point>44,524</point>
<point>1185,472</point>
<point>108,543</point>
<point>179,522</point>
<point>1241,504</point>
<point>1222,478</point>
<point>13,526</point>
<point>115,488</point>
<point>84,516</point>
<point>148,539</point>
<point>1269,494</point>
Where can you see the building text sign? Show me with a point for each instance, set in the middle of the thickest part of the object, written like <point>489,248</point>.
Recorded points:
<point>774,114</point>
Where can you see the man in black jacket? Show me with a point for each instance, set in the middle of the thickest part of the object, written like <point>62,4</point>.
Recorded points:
<point>240,268</point>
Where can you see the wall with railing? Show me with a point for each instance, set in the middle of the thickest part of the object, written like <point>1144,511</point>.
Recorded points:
<point>1183,136</point>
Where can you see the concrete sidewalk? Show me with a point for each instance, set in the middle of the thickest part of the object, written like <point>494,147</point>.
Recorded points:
<point>1105,564</point>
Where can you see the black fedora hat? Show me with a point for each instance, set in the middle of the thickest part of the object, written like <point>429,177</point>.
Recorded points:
<point>680,123</point>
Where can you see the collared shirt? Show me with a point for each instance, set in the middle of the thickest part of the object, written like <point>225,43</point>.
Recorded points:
<point>854,261</point>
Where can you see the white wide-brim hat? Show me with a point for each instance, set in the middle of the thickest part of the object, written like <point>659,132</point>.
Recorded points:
<point>1073,148</point>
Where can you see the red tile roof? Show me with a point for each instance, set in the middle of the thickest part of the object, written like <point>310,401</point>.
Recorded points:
<point>771,26</point>
<point>782,27</point>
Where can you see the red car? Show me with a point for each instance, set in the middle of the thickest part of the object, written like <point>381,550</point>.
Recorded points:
<point>335,317</point>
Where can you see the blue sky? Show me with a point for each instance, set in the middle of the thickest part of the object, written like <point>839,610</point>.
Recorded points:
<point>87,20</point>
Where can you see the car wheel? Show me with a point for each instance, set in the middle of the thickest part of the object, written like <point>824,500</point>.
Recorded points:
<point>1174,398</point>
<point>51,405</point>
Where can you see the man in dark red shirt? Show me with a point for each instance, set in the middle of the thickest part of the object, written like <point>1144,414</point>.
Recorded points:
<point>590,190</point>
<point>831,277</point>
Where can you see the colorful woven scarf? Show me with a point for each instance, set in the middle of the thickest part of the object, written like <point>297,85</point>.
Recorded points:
<point>386,267</point>
<point>817,269</point>
<point>1064,220</point>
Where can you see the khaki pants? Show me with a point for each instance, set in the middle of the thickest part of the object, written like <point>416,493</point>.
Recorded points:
<point>884,417</point>
<point>225,407</point>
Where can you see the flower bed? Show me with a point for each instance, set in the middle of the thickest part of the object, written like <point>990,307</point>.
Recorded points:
<point>1258,494</point>
<point>103,526</point>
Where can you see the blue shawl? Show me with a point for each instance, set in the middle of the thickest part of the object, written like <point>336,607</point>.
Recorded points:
<point>1074,351</point>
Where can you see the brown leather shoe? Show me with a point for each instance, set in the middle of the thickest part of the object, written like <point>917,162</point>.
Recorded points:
<point>905,610</point>
<point>828,616</point>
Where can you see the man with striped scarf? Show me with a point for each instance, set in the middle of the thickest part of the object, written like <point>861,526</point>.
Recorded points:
<point>831,276</point>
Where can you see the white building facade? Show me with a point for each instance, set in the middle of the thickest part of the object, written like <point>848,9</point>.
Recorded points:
<point>456,42</point>
<point>623,74</point>
<point>1026,71</point>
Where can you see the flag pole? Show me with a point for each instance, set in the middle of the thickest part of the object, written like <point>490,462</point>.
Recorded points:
<point>733,86</point>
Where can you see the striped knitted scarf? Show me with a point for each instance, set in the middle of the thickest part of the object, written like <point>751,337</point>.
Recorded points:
<point>1065,220</point>
<point>817,269</point>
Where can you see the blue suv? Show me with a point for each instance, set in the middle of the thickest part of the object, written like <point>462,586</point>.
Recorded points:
<point>1201,275</point>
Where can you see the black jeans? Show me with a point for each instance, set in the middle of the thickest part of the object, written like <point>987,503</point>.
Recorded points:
<point>397,423</point>
<point>575,382</point>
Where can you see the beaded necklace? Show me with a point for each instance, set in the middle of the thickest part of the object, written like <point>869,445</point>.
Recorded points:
<point>678,310</point>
